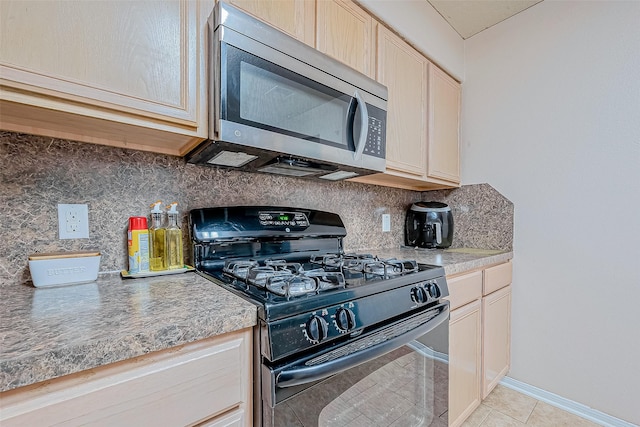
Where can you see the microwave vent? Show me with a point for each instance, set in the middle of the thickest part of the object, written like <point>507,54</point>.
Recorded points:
<point>231,159</point>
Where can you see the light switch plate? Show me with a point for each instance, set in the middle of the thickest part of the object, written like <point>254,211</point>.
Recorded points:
<point>386,222</point>
<point>73,221</point>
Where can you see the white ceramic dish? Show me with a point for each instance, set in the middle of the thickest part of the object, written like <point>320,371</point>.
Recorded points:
<point>64,268</point>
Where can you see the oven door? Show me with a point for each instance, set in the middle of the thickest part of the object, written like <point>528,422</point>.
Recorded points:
<point>397,375</point>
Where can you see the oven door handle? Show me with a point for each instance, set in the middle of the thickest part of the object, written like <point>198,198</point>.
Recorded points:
<point>303,374</point>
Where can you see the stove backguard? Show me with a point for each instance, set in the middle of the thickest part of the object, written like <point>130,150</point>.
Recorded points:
<point>262,232</point>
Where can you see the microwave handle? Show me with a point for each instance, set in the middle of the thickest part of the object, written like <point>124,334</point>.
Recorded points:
<point>364,130</point>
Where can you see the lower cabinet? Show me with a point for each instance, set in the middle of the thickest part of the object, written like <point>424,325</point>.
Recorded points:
<point>206,383</point>
<point>465,361</point>
<point>496,335</point>
<point>479,337</point>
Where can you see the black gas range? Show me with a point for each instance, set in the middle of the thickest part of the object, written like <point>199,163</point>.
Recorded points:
<point>315,301</point>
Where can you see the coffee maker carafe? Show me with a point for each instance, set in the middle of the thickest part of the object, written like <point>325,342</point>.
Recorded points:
<point>429,225</point>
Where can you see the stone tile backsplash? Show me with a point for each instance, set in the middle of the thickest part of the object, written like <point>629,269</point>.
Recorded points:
<point>39,172</point>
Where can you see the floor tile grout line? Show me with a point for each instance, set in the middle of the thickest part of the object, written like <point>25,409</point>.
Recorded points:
<point>486,416</point>
<point>531,413</point>
<point>510,417</point>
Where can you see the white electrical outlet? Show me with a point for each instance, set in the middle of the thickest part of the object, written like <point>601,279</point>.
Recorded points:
<point>386,222</point>
<point>73,221</point>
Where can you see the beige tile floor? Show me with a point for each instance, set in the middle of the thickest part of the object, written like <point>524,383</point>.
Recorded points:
<point>505,407</point>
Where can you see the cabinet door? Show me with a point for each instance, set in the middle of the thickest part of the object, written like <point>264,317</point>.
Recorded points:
<point>138,57</point>
<point>176,387</point>
<point>444,125</point>
<point>294,17</point>
<point>496,325</point>
<point>345,32</point>
<point>127,74</point>
<point>465,360</point>
<point>404,71</point>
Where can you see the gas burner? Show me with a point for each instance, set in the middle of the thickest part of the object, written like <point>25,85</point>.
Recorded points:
<point>291,285</point>
<point>328,260</point>
<point>283,265</point>
<point>366,265</point>
<point>239,268</point>
<point>402,266</point>
<point>327,279</point>
<point>260,276</point>
<point>352,256</point>
<point>385,267</point>
<point>339,261</point>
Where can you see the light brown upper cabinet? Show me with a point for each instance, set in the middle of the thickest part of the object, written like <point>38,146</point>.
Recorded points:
<point>294,17</point>
<point>404,71</point>
<point>444,126</point>
<point>422,118</point>
<point>127,74</point>
<point>345,32</point>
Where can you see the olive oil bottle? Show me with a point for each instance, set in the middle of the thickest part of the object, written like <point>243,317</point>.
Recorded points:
<point>157,239</point>
<point>173,239</point>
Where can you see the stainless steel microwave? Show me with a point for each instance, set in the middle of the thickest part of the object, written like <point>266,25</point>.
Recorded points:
<point>280,106</point>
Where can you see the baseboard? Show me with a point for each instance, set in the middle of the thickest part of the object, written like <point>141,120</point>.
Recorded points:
<point>576,408</point>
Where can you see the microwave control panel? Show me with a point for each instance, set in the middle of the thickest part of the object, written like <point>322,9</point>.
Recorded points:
<point>375,138</point>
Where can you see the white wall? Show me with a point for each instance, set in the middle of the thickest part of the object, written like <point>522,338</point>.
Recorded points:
<point>551,119</point>
<point>419,23</point>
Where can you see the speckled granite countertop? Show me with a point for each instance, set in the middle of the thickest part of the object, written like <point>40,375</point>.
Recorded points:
<point>49,332</point>
<point>454,261</point>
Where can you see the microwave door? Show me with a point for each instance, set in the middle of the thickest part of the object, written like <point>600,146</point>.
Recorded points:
<point>268,97</point>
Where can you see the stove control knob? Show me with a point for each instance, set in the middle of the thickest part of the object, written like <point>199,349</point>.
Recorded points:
<point>317,329</point>
<point>419,295</point>
<point>434,290</point>
<point>345,319</point>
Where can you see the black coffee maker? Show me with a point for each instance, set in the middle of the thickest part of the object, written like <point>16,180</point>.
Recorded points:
<point>429,225</point>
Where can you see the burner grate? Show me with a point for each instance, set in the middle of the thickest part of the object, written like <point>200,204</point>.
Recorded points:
<point>290,279</point>
<point>239,268</point>
<point>291,285</point>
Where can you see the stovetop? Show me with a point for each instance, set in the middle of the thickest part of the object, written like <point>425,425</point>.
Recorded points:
<point>321,273</point>
<point>283,288</point>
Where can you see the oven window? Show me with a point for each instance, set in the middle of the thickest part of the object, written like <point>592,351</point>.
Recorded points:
<point>264,95</point>
<point>407,387</point>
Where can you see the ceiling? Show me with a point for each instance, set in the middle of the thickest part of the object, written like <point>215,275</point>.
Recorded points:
<point>469,17</point>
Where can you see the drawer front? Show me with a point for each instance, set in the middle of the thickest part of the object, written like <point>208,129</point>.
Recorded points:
<point>234,419</point>
<point>464,289</point>
<point>497,277</point>
<point>170,388</point>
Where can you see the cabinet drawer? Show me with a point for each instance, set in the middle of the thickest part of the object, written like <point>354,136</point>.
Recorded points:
<point>175,387</point>
<point>464,289</point>
<point>234,419</point>
<point>497,277</point>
